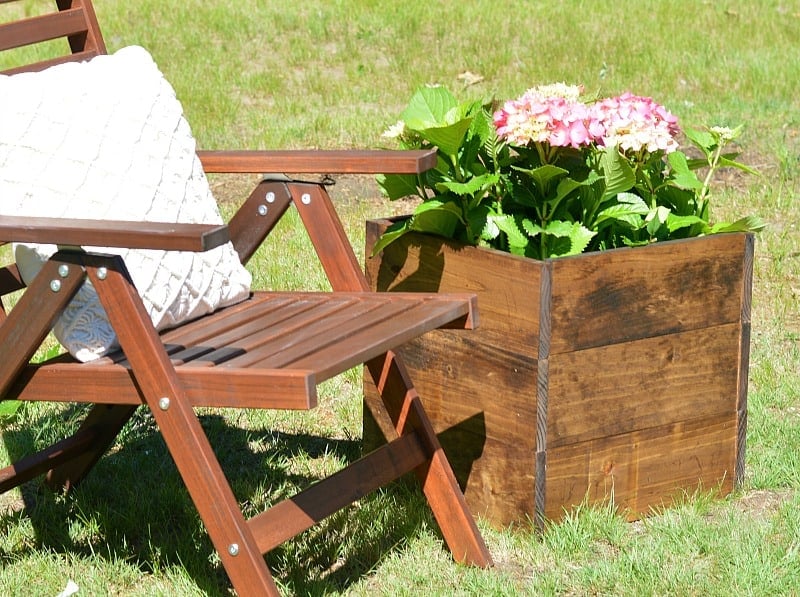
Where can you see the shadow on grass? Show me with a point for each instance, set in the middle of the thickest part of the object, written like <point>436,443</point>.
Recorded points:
<point>134,508</point>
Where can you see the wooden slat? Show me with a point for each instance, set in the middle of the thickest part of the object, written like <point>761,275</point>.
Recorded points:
<point>288,340</point>
<point>593,399</point>
<point>626,294</point>
<point>43,28</point>
<point>32,466</point>
<point>645,468</point>
<point>294,515</point>
<point>319,161</point>
<point>370,342</point>
<point>107,233</point>
<point>214,387</point>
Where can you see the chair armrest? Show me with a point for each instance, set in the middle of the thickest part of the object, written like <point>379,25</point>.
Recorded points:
<point>304,161</point>
<point>113,233</point>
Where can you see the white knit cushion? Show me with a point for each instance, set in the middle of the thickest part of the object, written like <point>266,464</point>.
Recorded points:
<point>106,139</point>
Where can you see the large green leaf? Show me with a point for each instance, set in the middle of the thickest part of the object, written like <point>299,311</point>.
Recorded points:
<point>517,239</point>
<point>543,176</point>
<point>629,209</point>
<point>429,107</point>
<point>682,174</point>
<point>397,186</point>
<point>436,217</point>
<point>746,224</point>
<point>617,172</point>
<point>447,138</point>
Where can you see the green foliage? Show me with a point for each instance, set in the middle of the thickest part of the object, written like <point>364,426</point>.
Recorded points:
<point>541,201</point>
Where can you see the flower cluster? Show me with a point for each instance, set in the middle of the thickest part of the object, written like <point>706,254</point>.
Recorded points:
<point>549,114</point>
<point>551,174</point>
<point>554,114</point>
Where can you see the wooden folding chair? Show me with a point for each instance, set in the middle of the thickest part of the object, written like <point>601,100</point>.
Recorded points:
<point>270,351</point>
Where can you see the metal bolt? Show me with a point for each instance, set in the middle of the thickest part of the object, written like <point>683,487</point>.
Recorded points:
<point>63,270</point>
<point>233,549</point>
<point>306,198</point>
<point>55,285</point>
<point>102,273</point>
<point>262,210</point>
<point>163,403</point>
<point>270,198</point>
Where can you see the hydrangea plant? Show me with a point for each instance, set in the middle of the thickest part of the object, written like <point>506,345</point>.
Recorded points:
<point>551,174</point>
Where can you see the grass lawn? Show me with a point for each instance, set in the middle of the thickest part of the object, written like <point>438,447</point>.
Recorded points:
<point>335,74</point>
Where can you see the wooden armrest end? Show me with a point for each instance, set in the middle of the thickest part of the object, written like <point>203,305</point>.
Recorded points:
<point>113,233</point>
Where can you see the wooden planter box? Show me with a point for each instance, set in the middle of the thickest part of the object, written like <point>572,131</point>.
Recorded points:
<point>618,375</point>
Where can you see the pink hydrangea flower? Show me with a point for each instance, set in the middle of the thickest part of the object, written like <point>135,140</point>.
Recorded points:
<point>550,114</point>
<point>634,123</point>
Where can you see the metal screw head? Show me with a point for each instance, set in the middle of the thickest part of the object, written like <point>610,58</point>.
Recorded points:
<point>270,197</point>
<point>55,285</point>
<point>233,549</point>
<point>102,273</point>
<point>63,270</point>
<point>305,198</point>
<point>163,403</point>
<point>262,210</point>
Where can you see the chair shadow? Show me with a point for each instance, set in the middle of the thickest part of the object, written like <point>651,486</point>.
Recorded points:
<point>150,521</point>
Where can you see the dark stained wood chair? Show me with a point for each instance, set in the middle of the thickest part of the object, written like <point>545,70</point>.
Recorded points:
<point>284,343</point>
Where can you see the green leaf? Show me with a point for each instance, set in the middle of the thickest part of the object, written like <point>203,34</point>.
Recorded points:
<point>629,209</point>
<point>544,175</point>
<point>475,185</point>
<point>429,107</point>
<point>617,172</point>
<point>746,224</point>
<point>725,161</point>
<point>397,186</point>
<point>392,233</point>
<point>676,222</point>
<point>579,236</point>
<point>447,138</point>
<point>656,218</point>
<point>9,408</point>
<point>517,240</point>
<point>436,217</point>
<point>682,175</point>
<point>702,139</point>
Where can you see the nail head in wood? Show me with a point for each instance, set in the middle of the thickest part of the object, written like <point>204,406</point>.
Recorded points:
<point>262,210</point>
<point>63,270</point>
<point>163,403</point>
<point>102,273</point>
<point>233,549</point>
<point>270,197</point>
<point>55,285</point>
<point>306,198</point>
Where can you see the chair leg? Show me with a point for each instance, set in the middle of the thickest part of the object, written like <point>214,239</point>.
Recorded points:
<point>184,436</point>
<point>438,481</point>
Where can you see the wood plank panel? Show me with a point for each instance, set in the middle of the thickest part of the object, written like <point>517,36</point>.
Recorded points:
<point>645,468</point>
<point>616,389</point>
<point>663,288</point>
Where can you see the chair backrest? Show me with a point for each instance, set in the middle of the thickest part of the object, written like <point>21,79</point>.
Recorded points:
<point>73,21</point>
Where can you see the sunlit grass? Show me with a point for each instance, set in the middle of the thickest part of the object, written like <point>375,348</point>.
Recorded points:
<point>333,74</point>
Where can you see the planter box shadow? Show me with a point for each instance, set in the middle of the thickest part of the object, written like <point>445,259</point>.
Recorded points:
<point>617,375</point>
